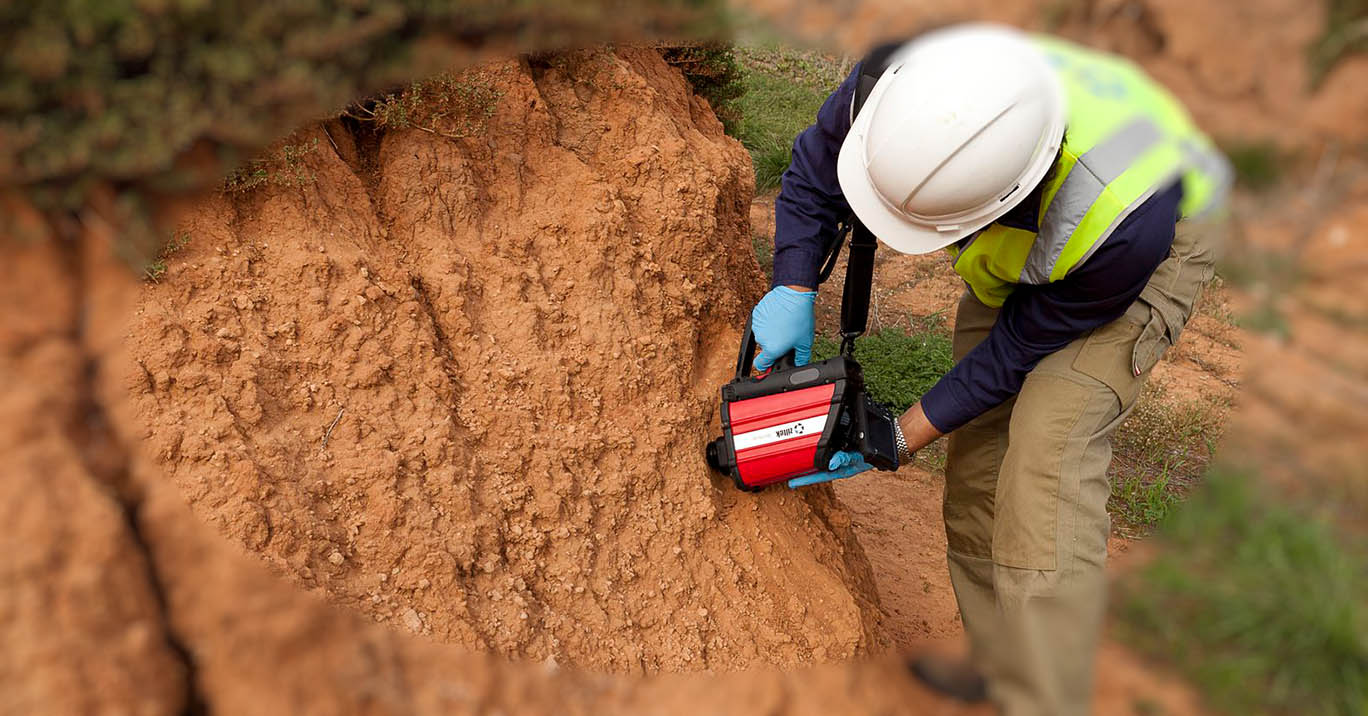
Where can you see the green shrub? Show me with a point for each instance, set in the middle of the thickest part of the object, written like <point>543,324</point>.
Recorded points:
<point>118,93</point>
<point>1257,601</point>
<point>451,104</point>
<point>282,167</point>
<point>898,367</point>
<point>712,70</point>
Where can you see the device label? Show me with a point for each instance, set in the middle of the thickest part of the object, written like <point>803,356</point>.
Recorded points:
<point>776,433</point>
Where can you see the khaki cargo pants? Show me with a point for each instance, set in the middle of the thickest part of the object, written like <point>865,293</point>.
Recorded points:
<point>1026,490</point>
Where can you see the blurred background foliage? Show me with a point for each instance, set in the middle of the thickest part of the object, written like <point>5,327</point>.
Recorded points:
<point>1257,599</point>
<point>128,99</point>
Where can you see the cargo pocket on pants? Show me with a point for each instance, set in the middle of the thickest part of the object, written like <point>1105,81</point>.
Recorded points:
<point>1122,352</point>
<point>1156,338</point>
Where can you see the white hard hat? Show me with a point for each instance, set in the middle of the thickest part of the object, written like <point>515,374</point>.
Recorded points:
<point>960,128</point>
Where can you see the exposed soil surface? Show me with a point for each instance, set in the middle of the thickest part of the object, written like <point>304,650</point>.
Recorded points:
<point>464,386</point>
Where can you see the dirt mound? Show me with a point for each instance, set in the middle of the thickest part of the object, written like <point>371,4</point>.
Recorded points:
<point>115,599</point>
<point>463,384</point>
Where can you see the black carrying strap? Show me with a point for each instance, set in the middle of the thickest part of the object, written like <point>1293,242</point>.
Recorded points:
<point>872,67</point>
<point>859,283</point>
<point>859,278</point>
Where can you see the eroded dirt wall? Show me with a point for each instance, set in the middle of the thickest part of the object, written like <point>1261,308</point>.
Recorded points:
<point>116,599</point>
<point>80,615</point>
<point>512,344</point>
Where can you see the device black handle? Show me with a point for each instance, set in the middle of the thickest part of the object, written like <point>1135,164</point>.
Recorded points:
<point>746,360</point>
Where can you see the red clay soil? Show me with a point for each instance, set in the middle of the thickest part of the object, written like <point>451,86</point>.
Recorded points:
<point>131,604</point>
<point>81,620</point>
<point>511,346</point>
<point>1304,415</point>
<point>116,599</point>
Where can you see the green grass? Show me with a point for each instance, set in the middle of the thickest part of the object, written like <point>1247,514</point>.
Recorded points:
<point>1267,274</point>
<point>156,268</point>
<point>1258,164</point>
<point>284,166</point>
<point>1268,319</point>
<point>898,367</point>
<point>784,88</point>
<point>1159,453</point>
<point>1140,500</point>
<point>1257,601</point>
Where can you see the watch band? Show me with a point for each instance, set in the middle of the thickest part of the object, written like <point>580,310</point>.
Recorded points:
<point>904,455</point>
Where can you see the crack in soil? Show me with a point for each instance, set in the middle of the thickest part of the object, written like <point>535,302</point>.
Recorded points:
<point>442,347</point>
<point>106,460</point>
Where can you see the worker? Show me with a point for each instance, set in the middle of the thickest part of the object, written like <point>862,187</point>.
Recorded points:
<point>1078,201</point>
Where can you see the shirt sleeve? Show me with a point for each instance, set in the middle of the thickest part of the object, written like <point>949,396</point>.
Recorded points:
<point>810,204</point>
<point>1036,321</point>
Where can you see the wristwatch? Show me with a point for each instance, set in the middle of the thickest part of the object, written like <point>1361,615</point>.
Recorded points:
<point>904,455</point>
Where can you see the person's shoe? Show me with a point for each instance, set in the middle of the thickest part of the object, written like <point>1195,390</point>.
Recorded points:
<point>950,677</point>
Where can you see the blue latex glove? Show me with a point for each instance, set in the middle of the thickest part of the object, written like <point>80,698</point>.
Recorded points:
<point>782,321</point>
<point>842,465</point>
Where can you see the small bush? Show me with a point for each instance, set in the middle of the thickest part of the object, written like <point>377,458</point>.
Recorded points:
<point>898,367</point>
<point>712,70</point>
<point>452,105</point>
<point>1258,602</point>
<point>284,166</point>
<point>156,268</point>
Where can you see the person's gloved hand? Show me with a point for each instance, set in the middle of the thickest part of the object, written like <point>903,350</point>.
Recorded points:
<point>782,321</point>
<point>842,465</point>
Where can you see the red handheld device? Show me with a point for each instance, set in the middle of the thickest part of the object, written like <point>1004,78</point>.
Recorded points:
<point>788,421</point>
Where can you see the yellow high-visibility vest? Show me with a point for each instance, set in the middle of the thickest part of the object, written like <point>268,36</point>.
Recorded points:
<point>1126,138</point>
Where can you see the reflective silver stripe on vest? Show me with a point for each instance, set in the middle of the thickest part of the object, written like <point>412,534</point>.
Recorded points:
<point>1140,200</point>
<point>1084,185</point>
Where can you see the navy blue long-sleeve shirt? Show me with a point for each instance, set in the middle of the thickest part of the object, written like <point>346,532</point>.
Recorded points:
<point>1035,321</point>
